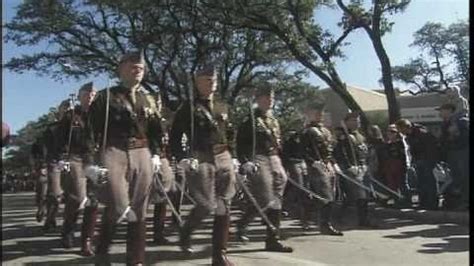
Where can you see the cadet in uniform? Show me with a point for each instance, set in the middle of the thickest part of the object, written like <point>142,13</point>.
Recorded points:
<point>293,161</point>
<point>40,171</point>
<point>267,184</point>
<point>72,126</point>
<point>317,144</point>
<point>167,179</point>
<point>53,154</point>
<point>351,153</point>
<point>132,136</point>
<point>212,183</point>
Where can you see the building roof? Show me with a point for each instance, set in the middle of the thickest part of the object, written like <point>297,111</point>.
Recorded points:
<point>422,100</point>
<point>369,100</point>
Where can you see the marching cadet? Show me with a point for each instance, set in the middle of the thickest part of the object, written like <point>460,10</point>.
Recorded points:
<point>40,171</point>
<point>317,144</point>
<point>211,181</point>
<point>124,122</point>
<point>71,133</point>
<point>293,161</point>
<point>167,178</point>
<point>258,148</point>
<point>54,169</point>
<point>351,154</point>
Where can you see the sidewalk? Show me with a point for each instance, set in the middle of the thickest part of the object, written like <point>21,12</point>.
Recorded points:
<point>458,217</point>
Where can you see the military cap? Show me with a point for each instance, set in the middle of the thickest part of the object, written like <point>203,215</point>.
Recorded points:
<point>87,87</point>
<point>446,106</point>
<point>207,70</point>
<point>133,56</point>
<point>264,91</point>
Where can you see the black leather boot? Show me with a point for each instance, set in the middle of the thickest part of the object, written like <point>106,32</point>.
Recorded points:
<point>159,216</point>
<point>325,225</point>
<point>272,243</point>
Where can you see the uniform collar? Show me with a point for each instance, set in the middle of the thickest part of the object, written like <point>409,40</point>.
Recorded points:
<point>262,114</point>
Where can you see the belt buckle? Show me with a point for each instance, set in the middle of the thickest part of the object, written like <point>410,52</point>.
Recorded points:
<point>132,141</point>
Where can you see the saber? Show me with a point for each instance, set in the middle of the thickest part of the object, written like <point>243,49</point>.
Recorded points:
<point>339,172</point>
<point>173,209</point>
<point>297,185</point>
<point>184,193</point>
<point>385,187</point>
<point>255,204</point>
<point>71,105</point>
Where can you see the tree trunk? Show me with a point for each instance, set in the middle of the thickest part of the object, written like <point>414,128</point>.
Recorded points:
<point>393,106</point>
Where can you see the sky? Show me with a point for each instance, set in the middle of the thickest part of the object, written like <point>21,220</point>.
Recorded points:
<point>27,96</point>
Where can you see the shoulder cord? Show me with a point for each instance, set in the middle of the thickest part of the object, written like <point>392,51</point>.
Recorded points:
<point>107,105</point>
<point>70,126</point>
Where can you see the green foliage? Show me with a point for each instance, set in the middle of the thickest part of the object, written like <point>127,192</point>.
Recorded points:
<point>87,38</point>
<point>17,156</point>
<point>444,59</point>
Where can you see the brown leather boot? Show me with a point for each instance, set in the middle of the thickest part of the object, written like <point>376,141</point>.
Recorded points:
<point>87,230</point>
<point>220,236</point>
<point>136,240</point>
<point>159,216</point>
<point>107,231</point>
<point>272,243</point>
<point>69,224</point>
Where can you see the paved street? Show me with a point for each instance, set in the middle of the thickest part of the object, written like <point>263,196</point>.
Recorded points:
<point>397,242</point>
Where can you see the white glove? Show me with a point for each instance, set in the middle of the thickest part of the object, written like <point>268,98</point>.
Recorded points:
<point>337,169</point>
<point>318,164</point>
<point>64,166</point>
<point>194,164</point>
<point>94,172</point>
<point>156,163</point>
<point>236,164</point>
<point>191,164</point>
<point>249,168</point>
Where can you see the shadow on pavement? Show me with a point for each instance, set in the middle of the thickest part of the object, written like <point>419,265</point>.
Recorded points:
<point>444,231</point>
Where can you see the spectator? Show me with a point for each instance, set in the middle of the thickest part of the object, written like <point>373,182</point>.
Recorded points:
<point>395,161</point>
<point>455,142</point>
<point>425,153</point>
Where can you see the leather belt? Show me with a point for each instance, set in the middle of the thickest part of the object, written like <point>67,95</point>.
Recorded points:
<point>270,152</point>
<point>128,144</point>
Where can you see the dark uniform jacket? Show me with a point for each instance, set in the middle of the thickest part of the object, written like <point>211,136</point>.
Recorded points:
<point>292,150</point>
<point>128,123</point>
<point>317,143</point>
<point>76,129</point>
<point>423,145</point>
<point>211,128</point>
<point>51,142</point>
<point>267,136</point>
<point>351,151</point>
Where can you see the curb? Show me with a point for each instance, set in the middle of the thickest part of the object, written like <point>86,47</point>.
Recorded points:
<point>461,218</point>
